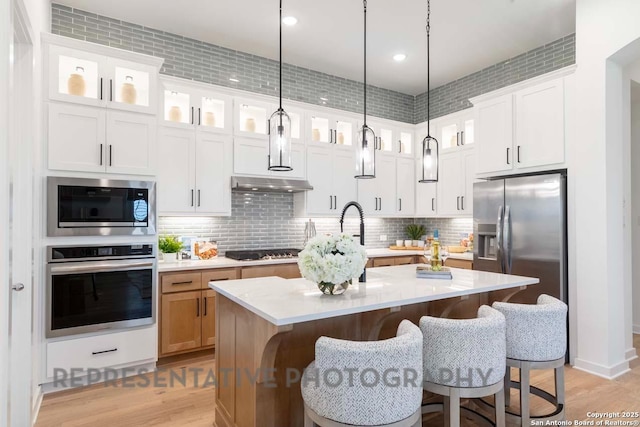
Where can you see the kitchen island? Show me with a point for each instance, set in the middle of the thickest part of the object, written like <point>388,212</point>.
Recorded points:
<point>266,330</point>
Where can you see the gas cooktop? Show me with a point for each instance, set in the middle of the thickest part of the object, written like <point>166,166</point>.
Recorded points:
<point>258,254</point>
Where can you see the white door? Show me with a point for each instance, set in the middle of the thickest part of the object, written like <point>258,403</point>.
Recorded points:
<point>426,199</point>
<point>131,147</point>
<point>540,125</point>
<point>252,118</point>
<point>406,182</point>
<point>385,182</point>
<point>132,86</point>
<point>76,138</point>
<point>494,134</point>
<point>213,173</point>
<point>320,200</point>
<point>450,183</point>
<point>213,112</point>
<point>176,170</point>
<point>469,163</point>
<point>345,188</point>
<point>250,156</point>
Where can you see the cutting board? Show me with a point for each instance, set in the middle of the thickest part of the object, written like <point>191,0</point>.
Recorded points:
<point>406,248</point>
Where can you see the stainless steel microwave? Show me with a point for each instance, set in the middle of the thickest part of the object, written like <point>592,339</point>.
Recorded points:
<point>100,207</point>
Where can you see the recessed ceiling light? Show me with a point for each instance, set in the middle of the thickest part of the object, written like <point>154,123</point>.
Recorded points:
<point>290,20</point>
<point>399,57</point>
<point>233,79</point>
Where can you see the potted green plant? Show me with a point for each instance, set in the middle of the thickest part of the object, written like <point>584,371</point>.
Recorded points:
<point>169,246</point>
<point>415,233</point>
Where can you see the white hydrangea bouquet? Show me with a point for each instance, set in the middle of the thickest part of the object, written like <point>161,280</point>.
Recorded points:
<point>332,262</point>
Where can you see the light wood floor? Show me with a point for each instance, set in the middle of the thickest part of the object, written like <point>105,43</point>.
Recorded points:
<point>191,406</point>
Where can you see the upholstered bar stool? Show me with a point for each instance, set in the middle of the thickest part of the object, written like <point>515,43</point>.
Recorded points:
<point>365,383</point>
<point>536,339</point>
<point>465,359</point>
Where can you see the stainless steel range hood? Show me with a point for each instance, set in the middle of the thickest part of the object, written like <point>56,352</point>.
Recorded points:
<point>269,185</point>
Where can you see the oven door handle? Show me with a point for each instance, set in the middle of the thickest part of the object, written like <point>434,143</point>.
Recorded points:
<point>99,266</point>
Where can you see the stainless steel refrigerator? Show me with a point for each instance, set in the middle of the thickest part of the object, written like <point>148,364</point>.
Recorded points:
<point>520,228</point>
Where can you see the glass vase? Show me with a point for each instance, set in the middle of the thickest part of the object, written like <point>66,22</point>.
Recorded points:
<point>332,288</point>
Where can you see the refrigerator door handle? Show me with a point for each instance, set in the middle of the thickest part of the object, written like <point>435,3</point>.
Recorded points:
<point>499,225</point>
<point>507,239</point>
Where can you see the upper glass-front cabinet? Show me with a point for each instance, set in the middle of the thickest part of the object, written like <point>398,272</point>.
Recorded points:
<point>405,142</point>
<point>251,118</point>
<point>331,130</point>
<point>91,79</point>
<point>455,131</point>
<point>187,107</point>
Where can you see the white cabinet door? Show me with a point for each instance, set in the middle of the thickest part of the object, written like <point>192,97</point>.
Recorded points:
<point>385,182</point>
<point>426,199</point>
<point>368,194</point>
<point>469,164</point>
<point>345,187</point>
<point>77,76</point>
<point>176,177</point>
<point>132,86</point>
<point>319,173</point>
<point>251,118</point>
<point>213,173</point>
<point>494,134</point>
<point>540,125</point>
<point>212,112</point>
<point>76,138</point>
<point>250,156</point>
<point>405,186</point>
<point>131,143</point>
<point>450,184</point>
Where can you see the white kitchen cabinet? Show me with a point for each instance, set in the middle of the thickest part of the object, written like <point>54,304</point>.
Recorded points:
<point>251,158</point>
<point>378,195</point>
<point>405,186</point>
<point>89,74</point>
<point>194,106</point>
<point>90,139</point>
<point>131,143</point>
<point>331,173</point>
<point>329,129</point>
<point>194,174</point>
<point>456,130</point>
<point>405,142</point>
<point>426,199</point>
<point>76,138</point>
<point>494,134</point>
<point>251,118</point>
<point>385,136</point>
<point>540,125</point>
<point>455,183</point>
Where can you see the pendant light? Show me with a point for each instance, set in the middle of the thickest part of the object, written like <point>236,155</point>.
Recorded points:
<point>280,129</point>
<point>430,146</point>
<point>366,150</point>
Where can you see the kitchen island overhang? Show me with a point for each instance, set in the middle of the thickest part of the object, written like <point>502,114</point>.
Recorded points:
<point>266,329</point>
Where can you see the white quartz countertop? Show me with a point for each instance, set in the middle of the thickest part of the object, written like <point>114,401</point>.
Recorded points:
<point>223,262</point>
<point>288,301</point>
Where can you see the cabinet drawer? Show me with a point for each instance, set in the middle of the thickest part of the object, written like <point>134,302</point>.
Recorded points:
<point>286,271</point>
<point>218,275</point>
<point>178,282</point>
<point>103,351</point>
<point>403,260</point>
<point>383,262</point>
<point>459,263</point>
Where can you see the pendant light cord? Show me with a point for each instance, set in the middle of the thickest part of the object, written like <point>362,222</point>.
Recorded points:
<point>365,62</point>
<point>428,70</point>
<point>281,56</point>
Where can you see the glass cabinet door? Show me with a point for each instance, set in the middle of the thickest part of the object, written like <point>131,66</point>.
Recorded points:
<point>132,86</point>
<point>213,112</point>
<point>177,108</point>
<point>297,123</point>
<point>251,118</point>
<point>321,129</point>
<point>449,135</point>
<point>76,76</point>
<point>405,143</point>
<point>344,133</point>
<point>385,139</point>
<point>468,136</point>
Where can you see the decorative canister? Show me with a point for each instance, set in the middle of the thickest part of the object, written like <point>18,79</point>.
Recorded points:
<point>76,84</point>
<point>315,134</point>
<point>381,144</point>
<point>340,138</point>
<point>128,92</point>
<point>209,118</point>
<point>175,114</point>
<point>250,125</point>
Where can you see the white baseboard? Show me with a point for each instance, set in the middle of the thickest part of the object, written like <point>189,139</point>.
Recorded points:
<point>607,372</point>
<point>636,329</point>
<point>37,402</point>
<point>631,354</point>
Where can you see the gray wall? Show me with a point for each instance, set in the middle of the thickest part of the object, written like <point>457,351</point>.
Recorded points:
<point>454,96</point>
<point>204,62</point>
<point>265,220</point>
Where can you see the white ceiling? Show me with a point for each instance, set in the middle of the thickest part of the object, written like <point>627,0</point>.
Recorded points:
<point>467,35</point>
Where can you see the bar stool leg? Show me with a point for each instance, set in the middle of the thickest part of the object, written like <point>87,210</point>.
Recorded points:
<point>500,408</point>
<point>559,377</point>
<point>454,411</point>
<point>525,378</point>
<point>446,407</point>
<point>507,387</point>
<point>308,422</point>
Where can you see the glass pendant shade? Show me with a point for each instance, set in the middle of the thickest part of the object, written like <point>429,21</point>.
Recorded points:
<point>366,153</point>
<point>430,156</point>
<point>280,142</point>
